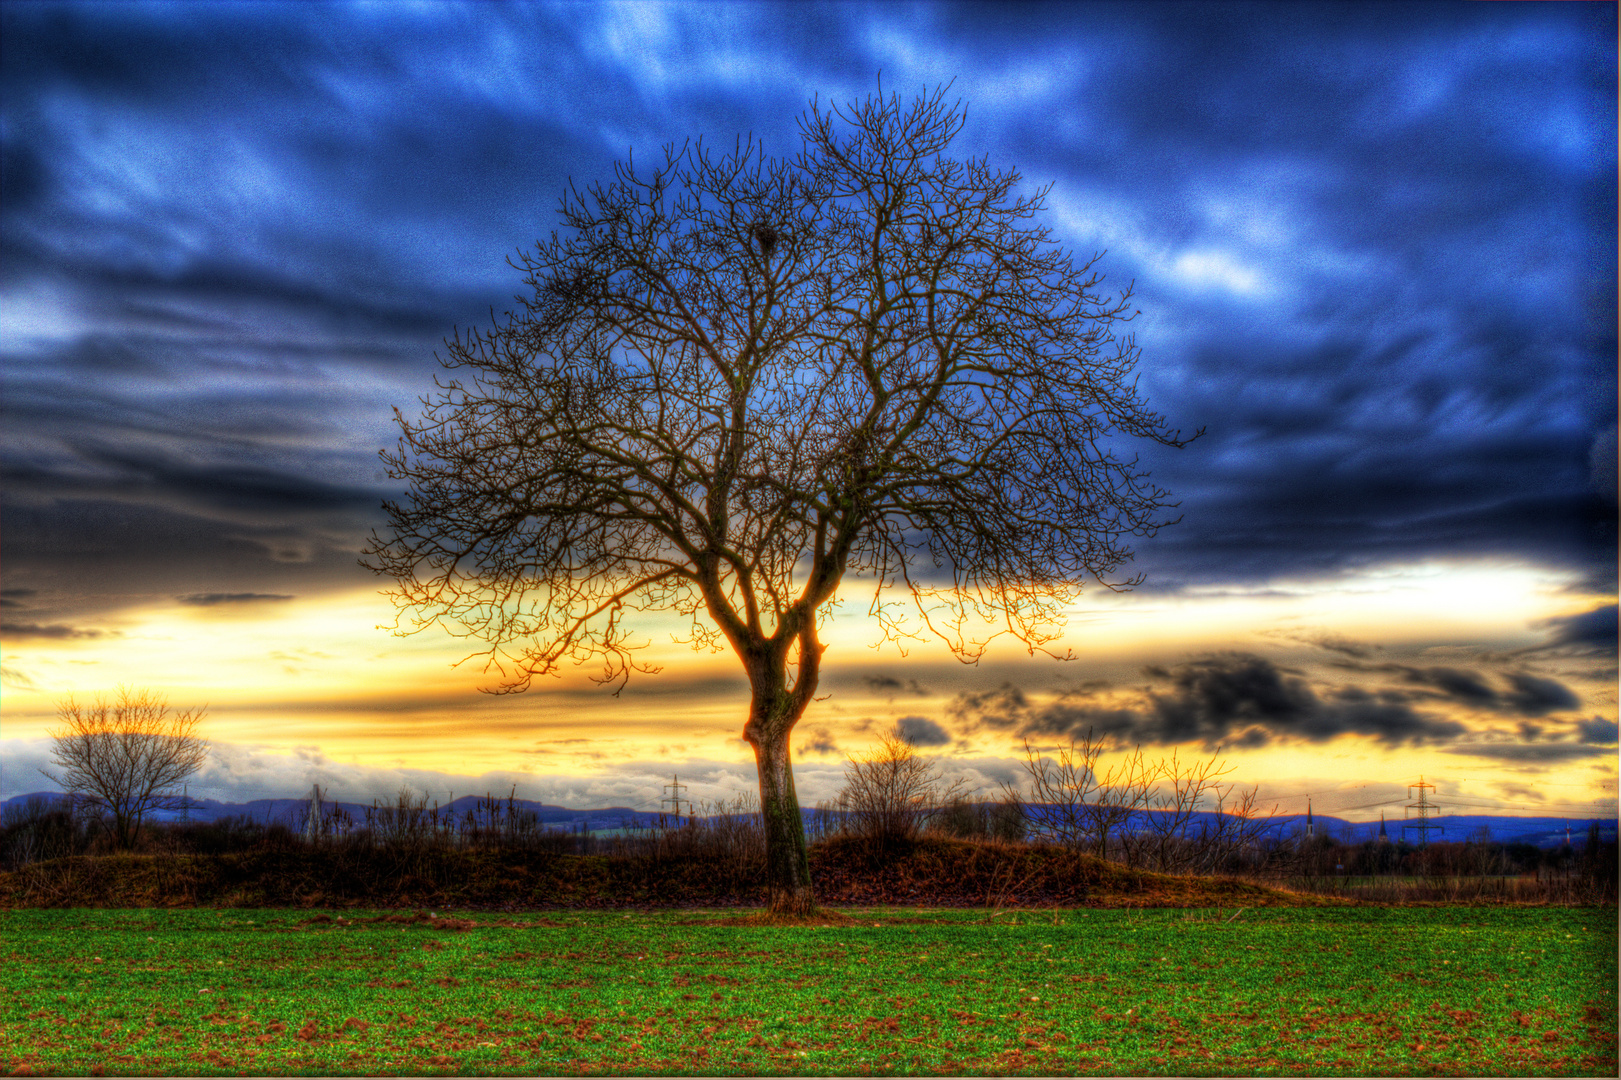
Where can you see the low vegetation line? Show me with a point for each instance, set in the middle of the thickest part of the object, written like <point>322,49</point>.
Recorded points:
<point>937,871</point>
<point>1338,991</point>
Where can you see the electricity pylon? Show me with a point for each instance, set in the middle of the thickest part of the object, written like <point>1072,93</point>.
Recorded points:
<point>675,799</point>
<point>1425,808</point>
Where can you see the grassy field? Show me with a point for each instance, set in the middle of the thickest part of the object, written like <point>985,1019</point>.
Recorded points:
<point>1351,991</point>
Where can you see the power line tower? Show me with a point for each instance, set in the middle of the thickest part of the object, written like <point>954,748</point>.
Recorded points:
<point>675,786</point>
<point>1425,810</point>
<point>312,818</point>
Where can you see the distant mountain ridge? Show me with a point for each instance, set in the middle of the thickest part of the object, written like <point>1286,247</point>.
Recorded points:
<point>292,812</point>
<point>1544,832</point>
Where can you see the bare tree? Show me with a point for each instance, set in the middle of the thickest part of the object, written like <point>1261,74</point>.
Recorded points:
<point>125,757</point>
<point>1150,813</point>
<point>737,379</point>
<point>890,792</point>
<point>1074,804</point>
<point>1165,837</point>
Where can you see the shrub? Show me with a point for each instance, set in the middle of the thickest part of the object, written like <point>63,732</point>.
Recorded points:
<point>890,793</point>
<point>42,828</point>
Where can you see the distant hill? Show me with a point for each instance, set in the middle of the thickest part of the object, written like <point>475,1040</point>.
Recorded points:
<point>1544,832</point>
<point>292,812</point>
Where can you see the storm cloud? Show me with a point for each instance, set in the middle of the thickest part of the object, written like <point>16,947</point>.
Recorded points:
<point>889,686</point>
<point>1598,730</point>
<point>1237,692</point>
<point>1536,696</point>
<point>1374,247</point>
<point>53,631</point>
<point>1593,632</point>
<point>818,741</point>
<point>921,731</point>
<point>1236,699</point>
<point>1529,753</point>
<point>1524,695</point>
<point>215,599</point>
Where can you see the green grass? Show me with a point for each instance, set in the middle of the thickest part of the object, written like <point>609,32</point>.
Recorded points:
<point>1354,991</point>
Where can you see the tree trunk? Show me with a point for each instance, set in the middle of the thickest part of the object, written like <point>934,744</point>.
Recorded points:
<point>788,881</point>
<point>123,830</point>
<point>773,711</point>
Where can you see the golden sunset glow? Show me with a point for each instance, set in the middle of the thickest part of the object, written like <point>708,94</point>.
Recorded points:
<point>323,677</point>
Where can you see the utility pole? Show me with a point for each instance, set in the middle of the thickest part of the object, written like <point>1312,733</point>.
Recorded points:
<point>1425,809</point>
<point>676,786</point>
<point>312,821</point>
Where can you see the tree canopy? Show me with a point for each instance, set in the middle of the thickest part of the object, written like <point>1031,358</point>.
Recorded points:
<point>126,756</point>
<point>736,381</point>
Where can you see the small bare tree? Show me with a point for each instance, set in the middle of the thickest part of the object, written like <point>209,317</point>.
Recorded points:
<point>1179,792</point>
<point>124,757</point>
<point>1150,813</point>
<point>737,379</point>
<point>1072,803</point>
<point>1178,838</point>
<point>890,792</point>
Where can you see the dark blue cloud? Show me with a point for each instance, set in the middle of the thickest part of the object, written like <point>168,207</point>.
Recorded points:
<point>889,686</point>
<point>1525,695</point>
<point>1536,696</point>
<point>820,742</point>
<point>215,599</point>
<point>1240,699</point>
<point>1374,246</point>
<point>1528,753</point>
<point>1597,730</point>
<point>1469,687</point>
<point>921,731</point>
<point>54,631</point>
<point>1591,631</point>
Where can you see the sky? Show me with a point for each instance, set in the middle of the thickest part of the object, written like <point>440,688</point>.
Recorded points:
<point>1374,248</point>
